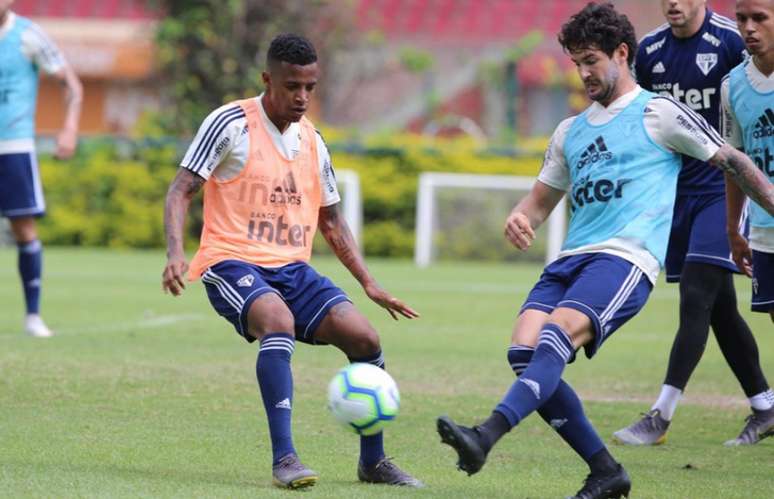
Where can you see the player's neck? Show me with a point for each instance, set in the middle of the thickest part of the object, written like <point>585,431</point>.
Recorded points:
<point>765,64</point>
<point>622,88</point>
<point>269,110</point>
<point>4,17</point>
<point>690,28</point>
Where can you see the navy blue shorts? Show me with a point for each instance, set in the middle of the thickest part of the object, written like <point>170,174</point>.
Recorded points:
<point>232,286</point>
<point>762,281</point>
<point>698,234</point>
<point>606,288</point>
<point>21,194</point>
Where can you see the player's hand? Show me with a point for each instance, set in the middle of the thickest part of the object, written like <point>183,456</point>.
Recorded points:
<point>173,277</point>
<point>740,253</point>
<point>519,231</point>
<point>389,302</point>
<point>65,144</point>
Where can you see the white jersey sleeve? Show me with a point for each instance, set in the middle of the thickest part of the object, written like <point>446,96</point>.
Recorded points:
<point>41,50</point>
<point>215,139</point>
<point>329,192</point>
<point>554,171</point>
<point>729,125</point>
<point>678,128</point>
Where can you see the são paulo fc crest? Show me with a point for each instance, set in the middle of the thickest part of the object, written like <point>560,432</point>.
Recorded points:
<point>706,62</point>
<point>246,281</point>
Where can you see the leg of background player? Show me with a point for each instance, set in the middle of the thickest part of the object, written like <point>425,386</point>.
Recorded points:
<point>30,270</point>
<point>699,287</point>
<point>741,352</point>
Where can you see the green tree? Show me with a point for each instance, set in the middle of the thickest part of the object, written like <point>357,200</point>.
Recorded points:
<point>212,51</point>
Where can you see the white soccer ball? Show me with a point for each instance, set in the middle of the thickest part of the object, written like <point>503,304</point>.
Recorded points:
<point>364,398</point>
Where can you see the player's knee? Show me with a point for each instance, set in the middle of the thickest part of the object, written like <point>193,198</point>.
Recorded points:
<point>519,357</point>
<point>694,298</point>
<point>269,314</point>
<point>364,344</point>
<point>24,229</point>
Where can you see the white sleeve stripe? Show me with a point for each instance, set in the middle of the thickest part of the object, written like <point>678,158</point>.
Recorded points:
<point>208,141</point>
<point>659,29</point>
<point>723,19</point>
<point>697,120</point>
<point>48,50</point>
<point>725,27</point>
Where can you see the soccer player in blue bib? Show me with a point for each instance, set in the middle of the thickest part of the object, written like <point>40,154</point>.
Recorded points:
<point>24,51</point>
<point>686,58</point>
<point>618,162</point>
<point>748,123</point>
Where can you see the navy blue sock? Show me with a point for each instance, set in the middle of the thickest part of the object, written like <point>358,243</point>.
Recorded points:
<point>276,382</point>
<point>30,268</point>
<point>371,447</point>
<point>563,411</point>
<point>541,377</point>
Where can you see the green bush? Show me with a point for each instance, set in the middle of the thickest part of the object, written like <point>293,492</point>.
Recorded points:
<point>112,193</point>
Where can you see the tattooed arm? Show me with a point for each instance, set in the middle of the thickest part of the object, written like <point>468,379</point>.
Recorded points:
<point>183,188</point>
<point>336,232</point>
<point>741,169</point>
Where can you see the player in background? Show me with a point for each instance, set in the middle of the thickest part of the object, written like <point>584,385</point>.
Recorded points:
<point>687,58</point>
<point>747,123</point>
<point>618,162</point>
<point>268,185</point>
<point>24,50</point>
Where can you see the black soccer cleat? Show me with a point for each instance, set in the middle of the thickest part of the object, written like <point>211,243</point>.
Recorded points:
<point>388,473</point>
<point>466,441</point>
<point>613,485</point>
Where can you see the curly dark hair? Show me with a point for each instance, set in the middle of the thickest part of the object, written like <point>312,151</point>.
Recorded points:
<point>599,26</point>
<point>290,48</point>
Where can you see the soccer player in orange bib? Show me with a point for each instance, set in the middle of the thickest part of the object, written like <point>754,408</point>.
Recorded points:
<point>268,185</point>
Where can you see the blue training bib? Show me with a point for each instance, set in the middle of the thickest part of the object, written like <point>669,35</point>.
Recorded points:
<point>18,86</point>
<point>623,183</point>
<point>755,112</point>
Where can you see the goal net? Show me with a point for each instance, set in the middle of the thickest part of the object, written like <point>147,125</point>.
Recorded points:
<point>462,216</point>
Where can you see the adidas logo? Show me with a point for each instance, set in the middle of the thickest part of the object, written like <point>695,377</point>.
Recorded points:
<point>283,404</point>
<point>557,423</point>
<point>246,281</point>
<point>764,127</point>
<point>659,68</point>
<point>533,385</point>
<point>596,151</point>
<point>285,191</point>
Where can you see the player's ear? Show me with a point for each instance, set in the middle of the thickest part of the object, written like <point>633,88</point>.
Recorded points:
<point>622,51</point>
<point>266,77</point>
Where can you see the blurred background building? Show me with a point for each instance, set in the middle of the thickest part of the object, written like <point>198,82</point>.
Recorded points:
<point>480,66</point>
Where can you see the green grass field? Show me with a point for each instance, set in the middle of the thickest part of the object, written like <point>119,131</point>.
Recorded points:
<point>144,395</point>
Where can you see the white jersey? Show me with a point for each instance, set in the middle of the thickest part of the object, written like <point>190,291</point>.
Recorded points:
<point>222,145</point>
<point>761,238</point>
<point>670,124</point>
<point>37,47</point>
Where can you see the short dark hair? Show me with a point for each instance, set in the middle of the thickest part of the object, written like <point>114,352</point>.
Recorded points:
<point>598,26</point>
<point>290,48</point>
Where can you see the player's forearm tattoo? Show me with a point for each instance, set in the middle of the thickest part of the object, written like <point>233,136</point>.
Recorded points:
<point>182,189</point>
<point>747,176</point>
<point>336,232</point>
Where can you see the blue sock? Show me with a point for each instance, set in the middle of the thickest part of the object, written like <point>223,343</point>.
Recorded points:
<point>30,268</point>
<point>563,411</point>
<point>541,377</point>
<point>276,382</point>
<point>371,447</point>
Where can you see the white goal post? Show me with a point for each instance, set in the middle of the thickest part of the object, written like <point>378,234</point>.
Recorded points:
<point>351,202</point>
<point>426,208</point>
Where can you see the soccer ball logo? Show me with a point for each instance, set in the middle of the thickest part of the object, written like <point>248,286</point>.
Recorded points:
<point>363,398</point>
